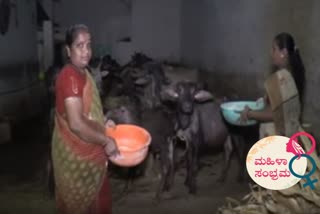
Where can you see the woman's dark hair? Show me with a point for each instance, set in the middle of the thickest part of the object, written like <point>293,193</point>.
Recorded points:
<point>285,40</point>
<point>73,31</point>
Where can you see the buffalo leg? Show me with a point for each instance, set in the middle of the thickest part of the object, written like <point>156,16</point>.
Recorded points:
<point>239,145</point>
<point>149,164</point>
<point>171,163</point>
<point>228,148</point>
<point>194,169</point>
<point>164,173</point>
<point>129,182</point>
<point>164,170</point>
<point>188,166</point>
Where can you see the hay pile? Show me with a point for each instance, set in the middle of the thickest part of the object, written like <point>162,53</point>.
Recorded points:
<point>296,199</point>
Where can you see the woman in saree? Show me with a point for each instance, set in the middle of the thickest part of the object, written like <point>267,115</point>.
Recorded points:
<point>80,148</point>
<point>284,88</point>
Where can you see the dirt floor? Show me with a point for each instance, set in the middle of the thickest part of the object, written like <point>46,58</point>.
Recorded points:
<point>210,196</point>
<point>23,185</point>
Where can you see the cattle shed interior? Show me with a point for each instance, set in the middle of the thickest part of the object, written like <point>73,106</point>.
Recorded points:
<point>225,45</point>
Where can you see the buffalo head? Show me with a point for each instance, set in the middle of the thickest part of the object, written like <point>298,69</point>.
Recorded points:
<point>185,94</point>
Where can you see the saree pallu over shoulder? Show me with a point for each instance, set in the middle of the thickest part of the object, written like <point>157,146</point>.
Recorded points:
<point>93,110</point>
<point>284,101</point>
<point>280,87</point>
<point>79,166</point>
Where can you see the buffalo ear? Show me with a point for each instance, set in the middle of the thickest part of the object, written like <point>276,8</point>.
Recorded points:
<point>203,96</point>
<point>168,94</point>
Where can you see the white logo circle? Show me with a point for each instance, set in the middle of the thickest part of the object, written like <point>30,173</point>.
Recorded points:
<point>268,163</point>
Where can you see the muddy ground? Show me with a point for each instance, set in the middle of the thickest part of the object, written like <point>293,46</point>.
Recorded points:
<point>23,185</point>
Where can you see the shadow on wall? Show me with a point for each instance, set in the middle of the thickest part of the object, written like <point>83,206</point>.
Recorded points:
<point>241,85</point>
<point>22,94</point>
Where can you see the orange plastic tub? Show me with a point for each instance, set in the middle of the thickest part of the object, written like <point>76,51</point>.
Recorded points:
<point>133,143</point>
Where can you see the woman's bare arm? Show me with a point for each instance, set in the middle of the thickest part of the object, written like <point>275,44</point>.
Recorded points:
<point>264,115</point>
<point>88,130</point>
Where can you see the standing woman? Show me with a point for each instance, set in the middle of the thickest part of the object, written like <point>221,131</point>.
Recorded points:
<point>79,145</point>
<point>285,88</point>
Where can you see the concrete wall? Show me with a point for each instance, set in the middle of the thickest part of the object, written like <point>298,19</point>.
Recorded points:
<point>108,20</point>
<point>18,45</point>
<point>231,40</point>
<point>306,24</point>
<point>19,48</point>
<point>156,28</point>
<point>192,32</point>
<point>20,90</point>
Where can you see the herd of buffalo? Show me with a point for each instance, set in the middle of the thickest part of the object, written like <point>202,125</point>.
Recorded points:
<point>176,113</point>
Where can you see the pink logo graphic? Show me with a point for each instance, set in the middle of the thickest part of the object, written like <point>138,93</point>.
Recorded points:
<point>268,162</point>
<point>294,147</point>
